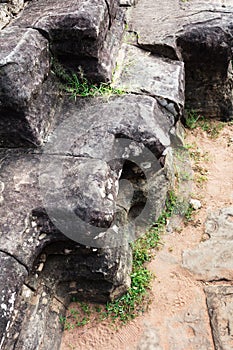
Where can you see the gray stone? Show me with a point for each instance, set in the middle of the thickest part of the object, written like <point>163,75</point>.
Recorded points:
<point>12,274</point>
<point>32,243</point>
<point>149,339</point>
<point>220,306</point>
<point>27,95</point>
<point>5,15</point>
<point>143,72</point>
<point>9,8</point>
<point>81,33</point>
<point>212,259</point>
<point>200,33</point>
<point>128,2</point>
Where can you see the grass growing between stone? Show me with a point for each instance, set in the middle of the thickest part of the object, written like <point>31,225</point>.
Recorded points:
<point>77,85</point>
<point>194,120</point>
<point>137,299</point>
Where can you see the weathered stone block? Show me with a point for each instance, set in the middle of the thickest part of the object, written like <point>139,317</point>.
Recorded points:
<point>212,259</point>
<point>79,32</point>
<point>9,8</point>
<point>29,237</point>
<point>155,76</point>
<point>27,96</point>
<point>200,34</point>
<point>220,307</point>
<point>12,276</point>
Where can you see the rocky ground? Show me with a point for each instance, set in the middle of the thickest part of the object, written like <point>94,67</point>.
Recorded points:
<point>193,290</point>
<point>64,159</point>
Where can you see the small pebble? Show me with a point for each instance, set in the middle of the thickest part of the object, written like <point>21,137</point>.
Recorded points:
<point>195,203</point>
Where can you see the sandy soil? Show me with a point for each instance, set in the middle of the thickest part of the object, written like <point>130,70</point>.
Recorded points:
<point>178,296</point>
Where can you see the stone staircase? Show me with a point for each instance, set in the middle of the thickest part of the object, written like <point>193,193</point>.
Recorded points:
<point>80,179</point>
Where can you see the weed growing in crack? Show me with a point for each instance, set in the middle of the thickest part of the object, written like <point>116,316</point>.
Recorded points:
<point>77,85</point>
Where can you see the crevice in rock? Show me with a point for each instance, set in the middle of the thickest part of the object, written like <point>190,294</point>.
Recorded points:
<point>109,15</point>
<point>209,311</point>
<point>16,259</point>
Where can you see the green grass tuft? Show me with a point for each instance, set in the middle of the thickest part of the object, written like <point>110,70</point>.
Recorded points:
<point>77,85</point>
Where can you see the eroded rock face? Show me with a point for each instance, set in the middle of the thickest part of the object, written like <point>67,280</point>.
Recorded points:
<point>79,172</point>
<point>9,8</point>
<point>220,307</point>
<point>84,36</point>
<point>200,261</point>
<point>198,33</point>
<point>81,33</point>
<point>37,259</point>
<point>27,95</point>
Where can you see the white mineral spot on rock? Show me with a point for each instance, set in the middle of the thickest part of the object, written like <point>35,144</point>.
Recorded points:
<point>42,236</point>
<point>100,235</point>
<point>4,307</point>
<point>110,196</point>
<point>195,203</point>
<point>33,224</point>
<point>146,165</point>
<point>109,184</point>
<point>2,186</point>
<point>40,267</point>
<point>67,251</point>
<point>26,292</point>
<point>115,228</point>
<point>44,301</point>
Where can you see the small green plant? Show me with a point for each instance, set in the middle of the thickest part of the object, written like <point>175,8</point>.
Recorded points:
<point>189,212</point>
<point>78,85</point>
<point>67,325</point>
<point>193,120</point>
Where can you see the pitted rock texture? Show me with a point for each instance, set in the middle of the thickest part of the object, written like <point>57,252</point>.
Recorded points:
<point>8,9</point>
<point>162,78</point>
<point>81,33</point>
<point>199,33</point>
<point>84,148</point>
<point>27,95</point>
<point>220,307</point>
<point>212,259</point>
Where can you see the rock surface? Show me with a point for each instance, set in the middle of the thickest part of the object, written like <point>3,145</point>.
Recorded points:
<point>81,33</point>
<point>201,261</point>
<point>110,161</point>
<point>8,9</point>
<point>145,73</point>
<point>27,99</point>
<point>199,33</point>
<point>220,306</point>
<point>74,176</point>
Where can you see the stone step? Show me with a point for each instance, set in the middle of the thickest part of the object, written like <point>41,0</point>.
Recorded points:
<point>79,32</point>
<point>198,33</point>
<point>27,95</point>
<point>28,92</point>
<point>142,72</point>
